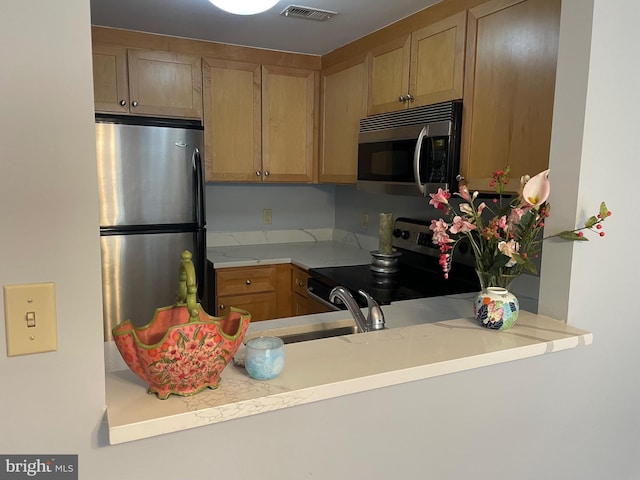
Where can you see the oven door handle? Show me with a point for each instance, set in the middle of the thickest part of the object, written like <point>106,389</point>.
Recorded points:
<point>324,302</point>
<point>416,160</point>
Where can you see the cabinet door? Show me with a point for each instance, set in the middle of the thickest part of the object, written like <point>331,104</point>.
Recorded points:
<point>512,49</point>
<point>388,67</point>
<point>232,120</point>
<point>165,84</point>
<point>110,89</point>
<point>261,306</point>
<point>289,124</point>
<point>437,61</point>
<point>344,104</point>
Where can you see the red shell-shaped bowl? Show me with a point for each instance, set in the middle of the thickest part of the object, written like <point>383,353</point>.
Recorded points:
<point>176,356</point>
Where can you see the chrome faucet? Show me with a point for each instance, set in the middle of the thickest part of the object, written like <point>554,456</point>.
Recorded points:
<point>375,318</point>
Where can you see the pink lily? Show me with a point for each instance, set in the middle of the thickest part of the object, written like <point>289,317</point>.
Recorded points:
<point>537,189</point>
<point>460,225</point>
<point>440,199</point>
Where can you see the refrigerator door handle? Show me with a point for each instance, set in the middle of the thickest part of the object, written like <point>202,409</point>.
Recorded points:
<point>201,219</point>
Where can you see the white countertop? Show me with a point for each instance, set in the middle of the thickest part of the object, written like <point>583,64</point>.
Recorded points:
<point>408,350</point>
<point>305,254</point>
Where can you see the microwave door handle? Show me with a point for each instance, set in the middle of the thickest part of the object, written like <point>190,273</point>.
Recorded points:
<point>416,160</point>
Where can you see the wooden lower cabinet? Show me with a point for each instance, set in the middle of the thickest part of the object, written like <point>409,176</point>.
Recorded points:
<point>301,303</point>
<point>264,291</point>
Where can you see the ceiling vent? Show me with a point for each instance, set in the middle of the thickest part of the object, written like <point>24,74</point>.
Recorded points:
<point>309,13</point>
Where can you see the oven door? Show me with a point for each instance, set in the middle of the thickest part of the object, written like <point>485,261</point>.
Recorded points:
<point>320,291</point>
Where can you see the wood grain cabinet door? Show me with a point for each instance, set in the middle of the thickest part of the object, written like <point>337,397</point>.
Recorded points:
<point>344,104</point>
<point>289,124</point>
<point>165,84</point>
<point>388,67</point>
<point>437,61</point>
<point>110,88</point>
<point>232,120</point>
<point>512,51</point>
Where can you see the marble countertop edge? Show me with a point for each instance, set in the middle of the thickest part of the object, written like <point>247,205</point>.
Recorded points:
<point>199,410</point>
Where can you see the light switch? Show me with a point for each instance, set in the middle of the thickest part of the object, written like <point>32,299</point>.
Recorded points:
<point>30,318</point>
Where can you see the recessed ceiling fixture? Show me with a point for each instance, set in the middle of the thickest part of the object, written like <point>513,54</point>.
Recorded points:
<point>308,13</point>
<point>244,7</point>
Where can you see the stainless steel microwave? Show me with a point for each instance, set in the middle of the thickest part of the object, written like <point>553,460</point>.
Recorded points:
<point>411,152</point>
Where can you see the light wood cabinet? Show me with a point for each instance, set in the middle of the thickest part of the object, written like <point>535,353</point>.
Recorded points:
<point>264,291</point>
<point>511,61</point>
<point>232,120</point>
<point>301,303</point>
<point>146,82</point>
<point>422,68</point>
<point>260,122</point>
<point>344,100</point>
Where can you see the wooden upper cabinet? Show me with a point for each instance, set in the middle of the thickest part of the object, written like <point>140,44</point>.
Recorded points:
<point>165,84</point>
<point>260,122</point>
<point>110,79</point>
<point>437,61</point>
<point>420,69</point>
<point>289,124</point>
<point>232,120</point>
<point>511,61</point>
<point>344,100</point>
<point>389,75</point>
<point>146,82</point>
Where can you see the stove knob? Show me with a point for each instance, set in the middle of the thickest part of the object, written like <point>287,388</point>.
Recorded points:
<point>397,232</point>
<point>405,234</point>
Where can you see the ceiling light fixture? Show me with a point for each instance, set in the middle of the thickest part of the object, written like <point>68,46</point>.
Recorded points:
<point>244,7</point>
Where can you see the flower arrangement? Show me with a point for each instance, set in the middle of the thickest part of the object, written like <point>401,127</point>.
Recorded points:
<point>506,235</point>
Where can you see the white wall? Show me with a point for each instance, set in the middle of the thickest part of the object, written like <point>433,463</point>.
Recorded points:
<point>568,415</point>
<point>238,207</point>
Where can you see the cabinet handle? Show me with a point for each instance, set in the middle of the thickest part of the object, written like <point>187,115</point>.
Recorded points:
<point>248,282</point>
<point>221,307</point>
<point>401,99</point>
<point>123,103</point>
<point>266,174</point>
<point>300,284</point>
<point>134,103</point>
<point>459,178</point>
<point>258,173</point>
<point>409,97</point>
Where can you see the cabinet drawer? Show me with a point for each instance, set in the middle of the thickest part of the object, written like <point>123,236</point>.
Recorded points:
<point>261,306</point>
<point>299,281</point>
<point>241,281</point>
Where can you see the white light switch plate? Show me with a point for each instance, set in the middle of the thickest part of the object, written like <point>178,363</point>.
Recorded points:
<point>30,317</point>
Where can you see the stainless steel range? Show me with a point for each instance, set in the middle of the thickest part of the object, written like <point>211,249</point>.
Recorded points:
<point>419,274</point>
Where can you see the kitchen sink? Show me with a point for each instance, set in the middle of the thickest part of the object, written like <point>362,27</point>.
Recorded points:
<point>307,332</point>
<point>318,334</point>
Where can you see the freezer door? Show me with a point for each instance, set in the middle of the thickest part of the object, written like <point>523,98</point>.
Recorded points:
<point>147,174</point>
<point>140,274</point>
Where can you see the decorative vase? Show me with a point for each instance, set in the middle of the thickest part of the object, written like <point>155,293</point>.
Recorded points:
<point>495,307</point>
<point>183,350</point>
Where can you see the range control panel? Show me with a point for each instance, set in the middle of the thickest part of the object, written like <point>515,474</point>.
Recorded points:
<point>414,235</point>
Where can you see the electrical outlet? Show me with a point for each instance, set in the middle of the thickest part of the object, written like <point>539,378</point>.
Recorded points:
<point>266,216</point>
<point>365,221</point>
<point>30,317</point>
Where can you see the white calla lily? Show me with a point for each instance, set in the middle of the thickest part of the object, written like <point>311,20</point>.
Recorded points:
<point>537,189</point>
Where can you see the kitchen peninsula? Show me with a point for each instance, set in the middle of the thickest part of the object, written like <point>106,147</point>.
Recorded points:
<point>425,338</point>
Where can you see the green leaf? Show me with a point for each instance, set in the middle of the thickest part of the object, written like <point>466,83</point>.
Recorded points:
<point>604,212</point>
<point>571,235</point>
<point>591,221</point>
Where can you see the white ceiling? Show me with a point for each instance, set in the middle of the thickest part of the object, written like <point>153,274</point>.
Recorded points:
<point>199,19</point>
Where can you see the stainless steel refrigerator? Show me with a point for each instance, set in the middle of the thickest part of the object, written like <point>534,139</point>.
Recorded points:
<point>151,189</point>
